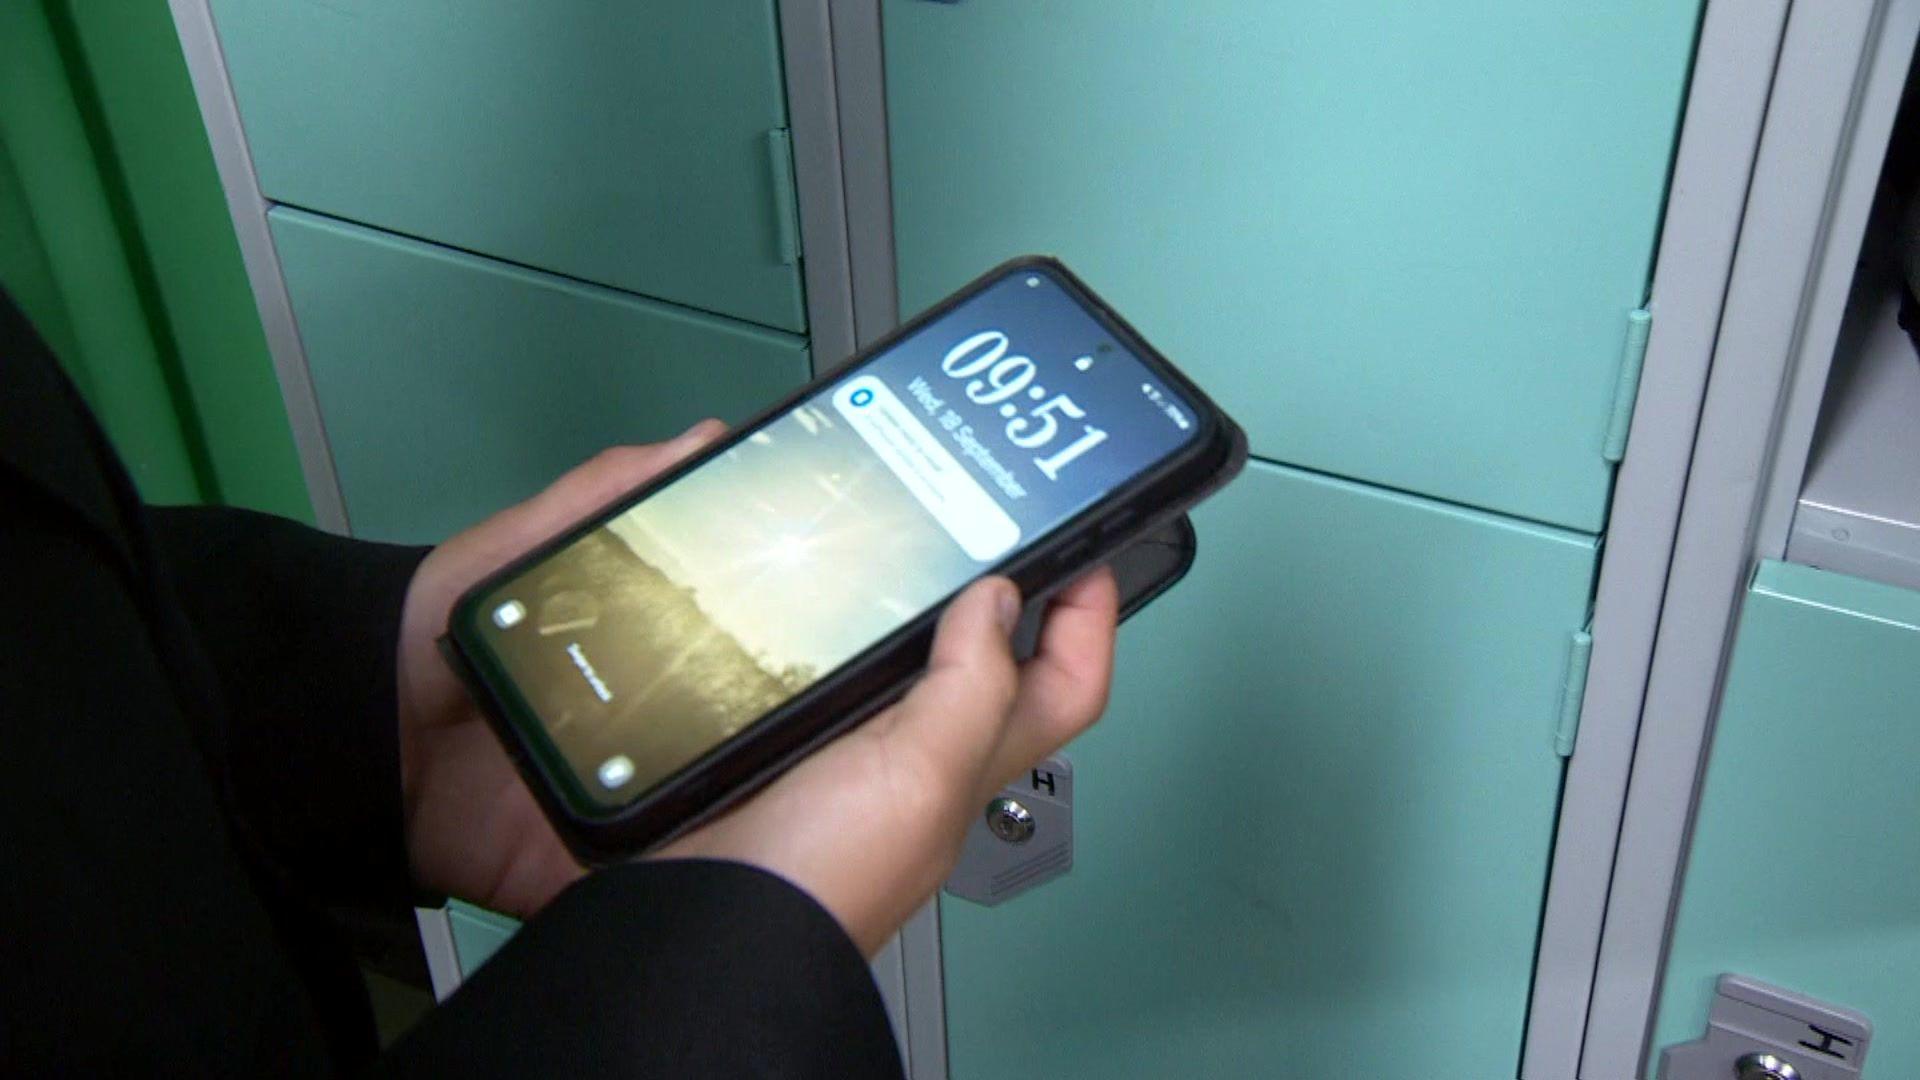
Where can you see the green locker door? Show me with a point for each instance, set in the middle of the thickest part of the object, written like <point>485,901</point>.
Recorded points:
<point>116,241</point>
<point>1804,868</point>
<point>1399,241</point>
<point>452,386</point>
<point>640,146</point>
<point>1311,834</point>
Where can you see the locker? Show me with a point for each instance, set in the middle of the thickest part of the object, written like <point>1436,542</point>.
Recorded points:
<point>453,386</point>
<point>1399,242</point>
<point>1804,872</point>
<point>637,146</point>
<point>1764,876</point>
<point>1317,813</point>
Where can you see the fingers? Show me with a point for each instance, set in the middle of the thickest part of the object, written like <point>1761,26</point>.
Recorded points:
<point>456,564</point>
<point>953,718</point>
<point>580,491</point>
<point>1063,688</point>
<point>617,470</point>
<point>976,718</point>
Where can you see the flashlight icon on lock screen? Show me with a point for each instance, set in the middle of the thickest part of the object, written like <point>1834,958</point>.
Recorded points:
<point>508,615</point>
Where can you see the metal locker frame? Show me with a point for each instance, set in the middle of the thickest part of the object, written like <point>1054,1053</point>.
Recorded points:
<point>207,69</point>
<point>831,54</point>
<point>909,967</point>
<point>1713,162</point>
<point>1834,93</point>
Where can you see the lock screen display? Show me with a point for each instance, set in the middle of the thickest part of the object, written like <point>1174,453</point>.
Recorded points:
<point>651,639</point>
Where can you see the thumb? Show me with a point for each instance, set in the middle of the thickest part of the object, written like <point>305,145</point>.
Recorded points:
<point>957,713</point>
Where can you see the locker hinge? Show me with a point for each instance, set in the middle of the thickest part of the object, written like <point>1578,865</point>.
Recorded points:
<point>786,211</point>
<point>1573,689</point>
<point>1632,356</point>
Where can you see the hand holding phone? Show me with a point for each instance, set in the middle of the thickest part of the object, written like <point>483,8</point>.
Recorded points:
<point>472,828</point>
<point>873,823</point>
<point>474,831</point>
<point>692,640</point>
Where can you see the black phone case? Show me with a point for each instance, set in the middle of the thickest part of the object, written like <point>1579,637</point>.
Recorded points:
<point>1149,527</point>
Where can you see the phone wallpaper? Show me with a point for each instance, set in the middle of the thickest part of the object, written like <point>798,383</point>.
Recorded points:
<point>651,639</point>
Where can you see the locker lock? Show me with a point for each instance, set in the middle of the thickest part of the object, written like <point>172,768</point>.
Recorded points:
<point>1013,823</point>
<point>1761,1032</point>
<point>1023,840</point>
<point>1761,1065</point>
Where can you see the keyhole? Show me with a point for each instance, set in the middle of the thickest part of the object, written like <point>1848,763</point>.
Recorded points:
<point>1010,821</point>
<point>1761,1065</point>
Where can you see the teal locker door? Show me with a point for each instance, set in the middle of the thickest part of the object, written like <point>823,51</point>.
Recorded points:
<point>477,934</point>
<point>640,146</point>
<point>453,386</point>
<point>1398,241</point>
<point>1804,869</point>
<point>1311,834</point>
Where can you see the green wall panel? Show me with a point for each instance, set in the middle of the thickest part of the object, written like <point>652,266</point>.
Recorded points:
<point>1804,869</point>
<point>620,143</point>
<point>1314,826</point>
<point>186,256</point>
<point>25,272</point>
<point>114,235</point>
<point>453,386</point>
<point>61,183</point>
<point>1398,241</point>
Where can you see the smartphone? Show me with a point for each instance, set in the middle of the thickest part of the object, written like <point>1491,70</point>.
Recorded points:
<point>686,644</point>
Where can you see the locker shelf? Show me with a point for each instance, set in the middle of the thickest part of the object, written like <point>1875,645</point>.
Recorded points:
<point>1859,510</point>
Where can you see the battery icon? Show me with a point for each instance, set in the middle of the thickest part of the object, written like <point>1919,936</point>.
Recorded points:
<point>1173,412</point>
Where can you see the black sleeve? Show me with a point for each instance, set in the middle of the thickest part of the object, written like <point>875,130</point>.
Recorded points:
<point>682,969</point>
<point>301,628</point>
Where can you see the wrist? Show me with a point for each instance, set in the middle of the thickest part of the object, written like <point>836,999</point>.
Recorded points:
<point>427,693</point>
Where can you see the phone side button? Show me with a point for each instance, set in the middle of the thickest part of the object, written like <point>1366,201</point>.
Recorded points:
<point>1073,552</point>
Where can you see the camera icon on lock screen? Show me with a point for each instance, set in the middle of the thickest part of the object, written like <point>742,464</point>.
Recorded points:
<point>615,771</point>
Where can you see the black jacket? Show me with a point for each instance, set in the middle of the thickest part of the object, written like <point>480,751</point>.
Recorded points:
<point>199,771</point>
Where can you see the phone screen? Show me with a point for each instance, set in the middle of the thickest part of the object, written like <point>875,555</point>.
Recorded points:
<point>652,638</point>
